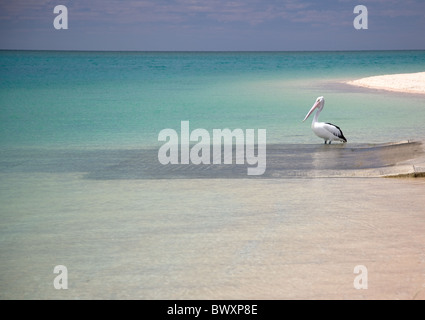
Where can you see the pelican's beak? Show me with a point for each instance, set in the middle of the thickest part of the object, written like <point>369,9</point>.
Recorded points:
<point>312,109</point>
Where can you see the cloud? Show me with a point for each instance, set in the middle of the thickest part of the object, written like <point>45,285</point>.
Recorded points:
<point>251,12</point>
<point>205,12</point>
<point>222,21</point>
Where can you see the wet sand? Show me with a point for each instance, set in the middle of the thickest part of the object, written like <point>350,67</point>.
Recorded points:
<point>407,82</point>
<point>285,237</point>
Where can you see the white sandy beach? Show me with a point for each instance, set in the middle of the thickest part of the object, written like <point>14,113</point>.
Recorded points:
<point>406,82</point>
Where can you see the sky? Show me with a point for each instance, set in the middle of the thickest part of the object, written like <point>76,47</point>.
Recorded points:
<point>212,25</point>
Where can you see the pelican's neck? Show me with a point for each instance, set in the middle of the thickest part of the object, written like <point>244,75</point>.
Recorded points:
<point>316,117</point>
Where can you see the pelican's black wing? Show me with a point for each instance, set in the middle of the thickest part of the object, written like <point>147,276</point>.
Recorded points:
<point>336,131</point>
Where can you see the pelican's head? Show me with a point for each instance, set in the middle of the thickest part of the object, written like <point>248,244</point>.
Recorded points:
<point>320,102</point>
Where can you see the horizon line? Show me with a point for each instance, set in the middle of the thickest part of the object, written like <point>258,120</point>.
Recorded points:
<point>209,51</point>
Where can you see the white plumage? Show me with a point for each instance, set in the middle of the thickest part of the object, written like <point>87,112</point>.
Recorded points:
<point>327,131</point>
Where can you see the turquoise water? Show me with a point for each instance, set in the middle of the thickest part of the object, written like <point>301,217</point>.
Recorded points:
<point>81,184</point>
<point>124,99</point>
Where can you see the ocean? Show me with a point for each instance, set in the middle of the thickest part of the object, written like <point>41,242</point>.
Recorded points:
<point>81,185</point>
<point>124,99</point>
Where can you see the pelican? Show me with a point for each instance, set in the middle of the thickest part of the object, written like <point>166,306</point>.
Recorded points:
<point>327,131</point>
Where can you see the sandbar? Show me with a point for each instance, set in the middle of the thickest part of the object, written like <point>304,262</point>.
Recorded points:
<point>406,82</point>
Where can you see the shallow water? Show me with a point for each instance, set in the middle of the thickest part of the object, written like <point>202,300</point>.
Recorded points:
<point>81,185</point>
<point>211,239</point>
<point>281,162</point>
